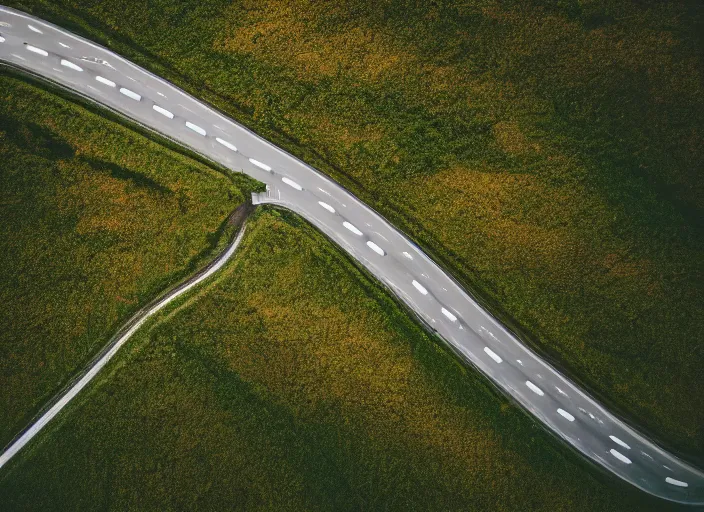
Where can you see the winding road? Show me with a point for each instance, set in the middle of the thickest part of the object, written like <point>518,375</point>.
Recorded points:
<point>102,76</point>
<point>116,342</point>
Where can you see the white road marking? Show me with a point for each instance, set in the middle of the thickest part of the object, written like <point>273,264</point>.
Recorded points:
<point>34,29</point>
<point>493,355</point>
<point>161,94</point>
<point>535,389</point>
<point>291,183</point>
<point>71,65</point>
<point>195,128</point>
<point>64,45</point>
<point>519,362</point>
<point>324,191</point>
<point>407,255</point>
<point>560,391</point>
<point>226,144</point>
<point>34,49</point>
<point>105,81</point>
<point>620,456</point>
<point>260,164</point>
<point>647,455</point>
<point>619,442</point>
<point>420,287</point>
<point>163,111</point>
<point>375,248</point>
<point>352,228</point>
<point>565,415</point>
<point>327,206</point>
<point>17,56</point>
<point>678,483</point>
<point>674,482</point>
<point>130,94</point>
<point>448,314</point>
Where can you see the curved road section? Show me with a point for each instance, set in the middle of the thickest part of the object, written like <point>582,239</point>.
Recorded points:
<point>106,78</point>
<point>108,352</point>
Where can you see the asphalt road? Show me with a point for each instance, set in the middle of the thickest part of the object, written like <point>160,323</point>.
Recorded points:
<point>108,352</point>
<point>102,76</point>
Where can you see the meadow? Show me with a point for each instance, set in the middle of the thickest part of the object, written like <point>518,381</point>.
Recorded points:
<point>549,154</point>
<point>96,221</point>
<point>292,381</point>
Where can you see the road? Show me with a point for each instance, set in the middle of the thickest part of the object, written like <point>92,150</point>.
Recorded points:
<point>106,78</point>
<point>113,346</point>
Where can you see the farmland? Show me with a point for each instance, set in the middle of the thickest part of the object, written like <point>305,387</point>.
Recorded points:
<point>548,154</point>
<point>293,381</point>
<point>96,221</point>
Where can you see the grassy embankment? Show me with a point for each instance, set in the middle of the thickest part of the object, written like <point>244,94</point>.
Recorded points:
<point>550,156</point>
<point>96,221</point>
<point>293,382</point>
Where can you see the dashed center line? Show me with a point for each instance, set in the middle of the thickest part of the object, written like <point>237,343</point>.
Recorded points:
<point>535,389</point>
<point>352,228</point>
<point>678,483</point>
<point>162,111</point>
<point>71,65</point>
<point>619,442</point>
<point>565,415</point>
<point>492,355</point>
<point>195,128</point>
<point>419,287</point>
<point>620,456</point>
<point>229,146</point>
<point>105,81</point>
<point>448,314</point>
<point>327,206</point>
<point>36,50</point>
<point>291,183</point>
<point>130,94</point>
<point>259,164</point>
<point>375,248</point>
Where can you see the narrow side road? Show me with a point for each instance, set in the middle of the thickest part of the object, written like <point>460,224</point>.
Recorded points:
<point>122,336</point>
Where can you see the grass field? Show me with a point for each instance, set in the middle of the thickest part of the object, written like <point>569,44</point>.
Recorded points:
<point>96,221</point>
<point>293,382</point>
<point>549,154</point>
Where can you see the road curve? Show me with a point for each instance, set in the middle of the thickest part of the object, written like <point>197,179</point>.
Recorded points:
<point>106,78</point>
<point>107,353</point>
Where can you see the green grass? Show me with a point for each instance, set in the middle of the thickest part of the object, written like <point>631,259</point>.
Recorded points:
<point>96,221</point>
<point>548,153</point>
<point>292,381</point>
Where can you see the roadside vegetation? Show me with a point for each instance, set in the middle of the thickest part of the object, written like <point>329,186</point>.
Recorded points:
<point>548,154</point>
<point>96,221</point>
<point>292,381</point>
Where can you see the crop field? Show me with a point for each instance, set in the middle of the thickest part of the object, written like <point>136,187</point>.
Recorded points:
<point>548,154</point>
<point>291,381</point>
<point>96,221</point>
